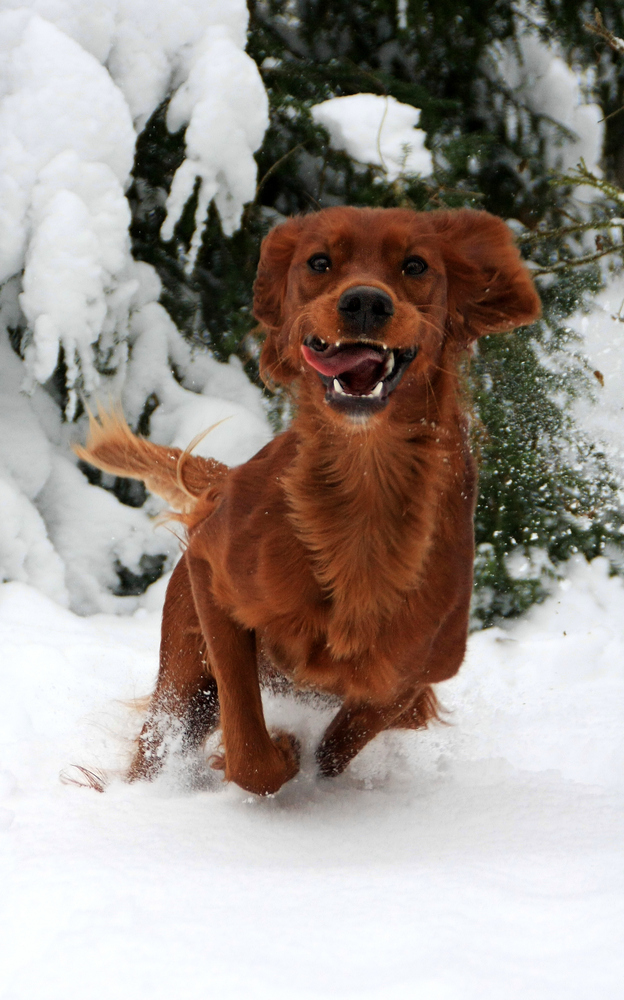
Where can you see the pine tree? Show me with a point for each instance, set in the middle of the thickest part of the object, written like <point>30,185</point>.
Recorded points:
<point>546,491</point>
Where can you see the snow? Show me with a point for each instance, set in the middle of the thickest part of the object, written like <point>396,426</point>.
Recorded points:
<point>377,130</point>
<point>225,106</point>
<point>212,395</point>
<point>69,538</point>
<point>479,859</point>
<point>77,81</point>
<point>602,332</point>
<point>542,81</point>
<point>62,170</point>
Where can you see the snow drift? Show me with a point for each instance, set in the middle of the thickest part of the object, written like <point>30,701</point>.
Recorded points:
<point>476,860</point>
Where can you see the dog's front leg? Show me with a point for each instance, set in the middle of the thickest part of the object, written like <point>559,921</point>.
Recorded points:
<point>253,759</point>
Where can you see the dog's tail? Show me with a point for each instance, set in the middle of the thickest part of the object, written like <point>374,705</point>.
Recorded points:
<point>175,475</point>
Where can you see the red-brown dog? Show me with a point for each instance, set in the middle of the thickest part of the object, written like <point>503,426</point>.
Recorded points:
<point>342,552</point>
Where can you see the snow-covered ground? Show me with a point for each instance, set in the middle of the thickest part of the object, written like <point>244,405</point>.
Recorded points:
<point>481,859</point>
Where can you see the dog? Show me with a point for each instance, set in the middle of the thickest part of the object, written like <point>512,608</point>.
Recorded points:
<point>341,555</point>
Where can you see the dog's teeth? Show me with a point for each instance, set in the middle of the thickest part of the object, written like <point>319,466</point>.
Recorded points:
<point>338,343</point>
<point>375,394</point>
<point>388,366</point>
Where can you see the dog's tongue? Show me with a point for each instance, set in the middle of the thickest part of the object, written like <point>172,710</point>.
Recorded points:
<point>338,360</point>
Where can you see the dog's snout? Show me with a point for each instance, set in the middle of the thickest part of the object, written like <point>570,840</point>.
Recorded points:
<point>365,308</point>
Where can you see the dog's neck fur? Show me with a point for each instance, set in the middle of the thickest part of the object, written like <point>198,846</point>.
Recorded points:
<point>366,505</point>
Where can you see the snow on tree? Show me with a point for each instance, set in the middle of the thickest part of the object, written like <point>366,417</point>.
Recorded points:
<point>376,130</point>
<point>76,81</point>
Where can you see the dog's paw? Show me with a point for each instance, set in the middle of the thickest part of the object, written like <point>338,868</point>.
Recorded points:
<point>281,766</point>
<point>266,775</point>
<point>290,750</point>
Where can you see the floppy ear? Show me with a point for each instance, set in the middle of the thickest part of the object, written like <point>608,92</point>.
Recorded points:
<point>489,288</point>
<point>269,294</point>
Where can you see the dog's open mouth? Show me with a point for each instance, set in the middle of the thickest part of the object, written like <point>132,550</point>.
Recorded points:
<point>358,375</point>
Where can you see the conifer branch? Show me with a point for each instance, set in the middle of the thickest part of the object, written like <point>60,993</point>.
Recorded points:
<point>598,27</point>
<point>275,166</point>
<point>581,175</point>
<point>582,227</point>
<point>563,265</point>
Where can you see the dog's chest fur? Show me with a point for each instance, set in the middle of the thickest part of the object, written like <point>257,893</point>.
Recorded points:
<point>349,524</point>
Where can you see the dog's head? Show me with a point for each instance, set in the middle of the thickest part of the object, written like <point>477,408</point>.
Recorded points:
<point>353,300</point>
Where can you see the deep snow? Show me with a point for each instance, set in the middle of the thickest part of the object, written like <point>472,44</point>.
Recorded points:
<point>479,859</point>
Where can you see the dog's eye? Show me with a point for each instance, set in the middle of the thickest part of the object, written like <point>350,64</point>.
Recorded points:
<point>414,266</point>
<point>320,263</point>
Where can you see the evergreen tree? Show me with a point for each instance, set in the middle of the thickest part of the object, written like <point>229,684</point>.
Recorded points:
<point>546,492</point>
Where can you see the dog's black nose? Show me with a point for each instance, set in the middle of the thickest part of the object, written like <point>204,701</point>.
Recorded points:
<point>365,308</point>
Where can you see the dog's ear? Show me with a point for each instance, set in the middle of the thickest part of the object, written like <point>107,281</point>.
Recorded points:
<point>269,294</point>
<point>270,284</point>
<point>489,288</point>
